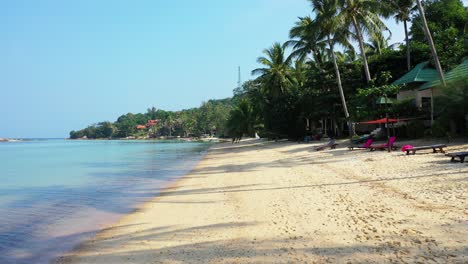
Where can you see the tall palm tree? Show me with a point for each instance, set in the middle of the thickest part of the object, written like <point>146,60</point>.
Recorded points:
<point>331,28</point>
<point>362,16</point>
<point>277,73</point>
<point>427,32</point>
<point>401,10</point>
<point>305,39</point>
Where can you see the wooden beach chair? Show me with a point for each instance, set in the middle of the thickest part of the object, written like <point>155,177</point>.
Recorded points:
<point>364,146</point>
<point>384,146</point>
<point>331,145</point>
<point>435,148</point>
<point>457,155</point>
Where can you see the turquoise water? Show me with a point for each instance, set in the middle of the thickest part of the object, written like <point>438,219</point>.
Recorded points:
<point>55,193</point>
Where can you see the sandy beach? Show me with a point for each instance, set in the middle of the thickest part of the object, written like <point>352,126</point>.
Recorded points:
<point>283,202</point>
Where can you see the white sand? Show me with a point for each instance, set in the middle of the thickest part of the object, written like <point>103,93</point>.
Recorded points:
<point>262,202</point>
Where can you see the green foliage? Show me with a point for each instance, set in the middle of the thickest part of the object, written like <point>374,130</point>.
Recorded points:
<point>439,129</point>
<point>276,76</point>
<point>415,129</point>
<point>451,107</point>
<point>389,61</point>
<point>100,130</point>
<point>405,108</point>
<point>242,120</point>
<point>447,20</point>
<point>209,118</point>
<point>380,87</point>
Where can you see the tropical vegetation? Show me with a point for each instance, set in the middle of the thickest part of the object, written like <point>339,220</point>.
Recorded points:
<point>209,118</point>
<point>339,57</point>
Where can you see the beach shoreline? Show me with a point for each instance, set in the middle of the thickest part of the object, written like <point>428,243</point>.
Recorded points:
<point>283,202</point>
<point>138,207</point>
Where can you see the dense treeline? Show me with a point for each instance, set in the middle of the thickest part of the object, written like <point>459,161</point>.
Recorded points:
<point>318,75</point>
<point>209,118</point>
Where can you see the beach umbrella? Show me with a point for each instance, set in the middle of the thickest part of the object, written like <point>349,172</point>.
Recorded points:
<point>381,121</point>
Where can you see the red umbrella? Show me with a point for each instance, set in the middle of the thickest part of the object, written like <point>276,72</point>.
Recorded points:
<point>381,121</point>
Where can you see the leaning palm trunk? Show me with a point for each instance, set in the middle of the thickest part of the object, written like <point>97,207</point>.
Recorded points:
<point>340,87</point>
<point>430,42</point>
<point>408,53</point>
<point>361,47</point>
<point>434,55</point>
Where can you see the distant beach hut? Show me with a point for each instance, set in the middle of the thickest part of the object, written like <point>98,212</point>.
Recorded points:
<point>140,127</point>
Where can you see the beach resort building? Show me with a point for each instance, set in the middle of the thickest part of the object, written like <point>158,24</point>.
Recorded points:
<point>422,83</point>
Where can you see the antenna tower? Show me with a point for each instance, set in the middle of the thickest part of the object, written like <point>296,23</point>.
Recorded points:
<point>239,83</point>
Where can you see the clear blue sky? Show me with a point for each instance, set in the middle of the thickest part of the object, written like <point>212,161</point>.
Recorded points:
<point>67,64</point>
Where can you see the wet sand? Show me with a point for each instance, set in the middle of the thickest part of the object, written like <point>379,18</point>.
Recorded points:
<point>283,202</point>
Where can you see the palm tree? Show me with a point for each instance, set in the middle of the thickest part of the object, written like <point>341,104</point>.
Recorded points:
<point>277,73</point>
<point>362,16</point>
<point>332,30</point>
<point>377,43</point>
<point>348,56</point>
<point>152,113</point>
<point>402,10</point>
<point>241,120</point>
<point>305,39</point>
<point>427,32</point>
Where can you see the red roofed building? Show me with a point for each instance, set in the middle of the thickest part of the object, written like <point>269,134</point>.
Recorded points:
<point>140,127</point>
<point>152,123</point>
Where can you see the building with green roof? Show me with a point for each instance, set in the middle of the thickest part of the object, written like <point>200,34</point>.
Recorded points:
<point>455,74</point>
<point>419,75</point>
<point>422,83</point>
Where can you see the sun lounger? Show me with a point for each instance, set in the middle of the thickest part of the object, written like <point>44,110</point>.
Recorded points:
<point>362,139</point>
<point>435,149</point>
<point>384,146</point>
<point>460,155</point>
<point>364,146</point>
<point>331,145</point>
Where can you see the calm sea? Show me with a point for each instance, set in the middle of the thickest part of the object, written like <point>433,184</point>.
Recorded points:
<point>56,193</point>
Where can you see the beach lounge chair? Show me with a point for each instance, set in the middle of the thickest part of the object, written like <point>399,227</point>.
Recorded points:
<point>364,146</point>
<point>460,155</point>
<point>331,144</point>
<point>384,146</point>
<point>362,139</point>
<point>435,148</point>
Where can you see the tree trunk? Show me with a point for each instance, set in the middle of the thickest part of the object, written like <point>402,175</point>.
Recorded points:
<point>340,87</point>
<point>430,42</point>
<point>434,55</point>
<point>408,53</point>
<point>361,47</point>
<point>317,58</point>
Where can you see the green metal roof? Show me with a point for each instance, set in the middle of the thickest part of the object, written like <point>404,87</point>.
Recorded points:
<point>456,73</point>
<point>418,74</point>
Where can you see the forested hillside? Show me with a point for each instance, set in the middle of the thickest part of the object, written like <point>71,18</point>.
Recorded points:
<point>209,118</point>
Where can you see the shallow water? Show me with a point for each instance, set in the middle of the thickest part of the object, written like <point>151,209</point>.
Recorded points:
<point>55,193</point>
